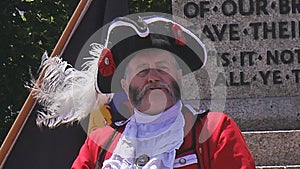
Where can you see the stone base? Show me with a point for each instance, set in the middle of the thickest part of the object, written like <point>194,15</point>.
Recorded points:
<point>274,148</point>
<point>258,114</point>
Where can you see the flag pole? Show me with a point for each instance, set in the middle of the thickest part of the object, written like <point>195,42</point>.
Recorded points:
<point>29,104</point>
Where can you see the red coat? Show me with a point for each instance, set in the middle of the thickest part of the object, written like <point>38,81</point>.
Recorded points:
<point>213,142</point>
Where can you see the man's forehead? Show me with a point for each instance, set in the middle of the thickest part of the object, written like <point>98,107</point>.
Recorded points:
<point>149,56</point>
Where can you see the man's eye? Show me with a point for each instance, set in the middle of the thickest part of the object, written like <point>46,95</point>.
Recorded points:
<point>143,73</point>
<point>163,69</point>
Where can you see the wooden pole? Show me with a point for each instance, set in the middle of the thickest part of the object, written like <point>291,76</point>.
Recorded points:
<point>29,104</point>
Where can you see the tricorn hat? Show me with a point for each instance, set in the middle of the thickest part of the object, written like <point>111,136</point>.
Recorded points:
<point>127,35</point>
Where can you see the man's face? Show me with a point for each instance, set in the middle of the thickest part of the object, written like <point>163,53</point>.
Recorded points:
<point>152,81</point>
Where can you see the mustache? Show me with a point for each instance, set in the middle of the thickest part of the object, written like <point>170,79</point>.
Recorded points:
<point>137,95</point>
<point>155,85</point>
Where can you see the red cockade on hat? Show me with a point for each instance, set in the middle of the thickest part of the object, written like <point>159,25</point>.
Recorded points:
<point>178,34</point>
<point>106,63</point>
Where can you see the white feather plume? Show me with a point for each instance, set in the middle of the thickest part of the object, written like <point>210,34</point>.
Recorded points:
<point>67,95</point>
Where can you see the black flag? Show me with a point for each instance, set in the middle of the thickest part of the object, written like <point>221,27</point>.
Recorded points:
<point>28,146</point>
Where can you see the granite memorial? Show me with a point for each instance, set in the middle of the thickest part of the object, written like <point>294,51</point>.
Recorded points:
<point>256,58</point>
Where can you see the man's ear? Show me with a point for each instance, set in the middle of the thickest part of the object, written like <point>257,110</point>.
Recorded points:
<point>124,85</point>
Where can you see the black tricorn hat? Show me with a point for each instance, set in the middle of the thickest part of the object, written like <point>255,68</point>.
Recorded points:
<point>127,35</point>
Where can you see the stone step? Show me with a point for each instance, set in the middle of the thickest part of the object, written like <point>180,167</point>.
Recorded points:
<point>279,167</point>
<point>255,114</point>
<point>274,148</point>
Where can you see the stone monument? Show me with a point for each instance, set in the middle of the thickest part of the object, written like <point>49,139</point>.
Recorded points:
<point>257,47</point>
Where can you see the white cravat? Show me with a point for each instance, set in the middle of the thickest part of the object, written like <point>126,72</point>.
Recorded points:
<point>156,136</point>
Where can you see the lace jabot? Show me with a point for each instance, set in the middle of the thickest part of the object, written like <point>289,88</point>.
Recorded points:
<point>149,141</point>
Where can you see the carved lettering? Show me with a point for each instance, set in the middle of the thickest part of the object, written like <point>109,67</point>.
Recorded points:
<point>283,57</point>
<point>216,32</point>
<point>277,79</point>
<point>223,59</point>
<point>275,30</point>
<point>255,31</point>
<point>265,76</point>
<point>191,9</point>
<point>221,80</point>
<point>238,79</point>
<point>289,6</point>
<point>296,72</point>
<point>247,56</point>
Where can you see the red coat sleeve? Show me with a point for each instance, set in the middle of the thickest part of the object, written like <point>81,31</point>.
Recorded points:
<point>88,155</point>
<point>224,144</point>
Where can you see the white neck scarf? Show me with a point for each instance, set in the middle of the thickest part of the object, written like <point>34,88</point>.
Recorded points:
<point>155,136</point>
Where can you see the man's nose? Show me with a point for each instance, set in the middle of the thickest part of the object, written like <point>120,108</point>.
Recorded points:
<point>153,75</point>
